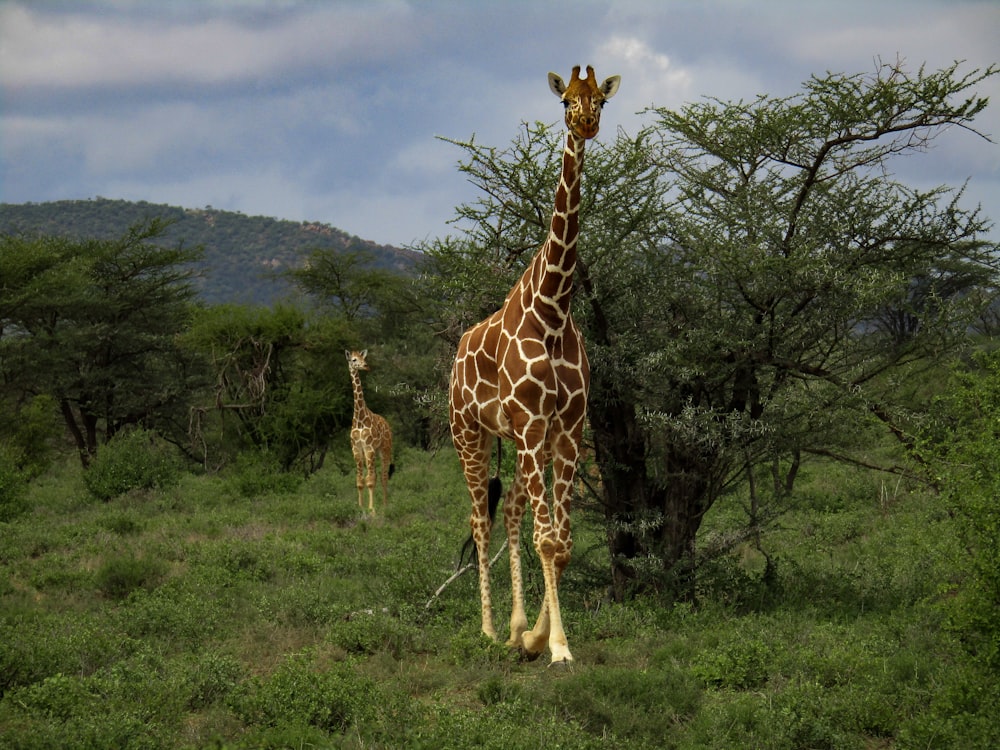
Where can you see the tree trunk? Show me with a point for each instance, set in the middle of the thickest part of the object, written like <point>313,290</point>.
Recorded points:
<point>651,524</point>
<point>74,429</point>
<point>652,511</point>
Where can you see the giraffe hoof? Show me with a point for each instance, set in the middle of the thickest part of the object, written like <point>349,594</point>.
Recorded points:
<point>561,665</point>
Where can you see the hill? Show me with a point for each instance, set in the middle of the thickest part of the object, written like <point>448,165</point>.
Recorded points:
<point>244,255</point>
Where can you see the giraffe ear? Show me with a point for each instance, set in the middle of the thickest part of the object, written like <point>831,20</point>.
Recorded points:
<point>610,86</point>
<point>364,354</point>
<point>347,353</point>
<point>557,84</point>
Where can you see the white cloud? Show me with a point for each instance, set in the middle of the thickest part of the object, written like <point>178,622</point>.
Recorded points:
<point>648,76</point>
<point>88,49</point>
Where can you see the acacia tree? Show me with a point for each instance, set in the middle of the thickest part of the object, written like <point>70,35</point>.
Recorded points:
<point>280,386</point>
<point>754,288</point>
<point>92,323</point>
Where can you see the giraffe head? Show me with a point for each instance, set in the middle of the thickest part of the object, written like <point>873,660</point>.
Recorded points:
<point>583,99</point>
<point>356,360</point>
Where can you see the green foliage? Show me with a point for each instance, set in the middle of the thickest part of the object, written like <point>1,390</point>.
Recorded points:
<point>279,381</point>
<point>657,702</point>
<point>193,616</point>
<point>258,473</point>
<point>369,633</point>
<point>742,664</point>
<point>13,485</point>
<point>32,435</point>
<point>119,576</point>
<point>93,324</point>
<point>303,692</point>
<point>965,442</point>
<point>132,460</point>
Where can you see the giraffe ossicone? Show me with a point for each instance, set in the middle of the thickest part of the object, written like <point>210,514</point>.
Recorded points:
<point>370,434</point>
<point>522,375</point>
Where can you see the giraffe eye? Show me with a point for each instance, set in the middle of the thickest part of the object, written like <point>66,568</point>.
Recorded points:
<point>565,103</point>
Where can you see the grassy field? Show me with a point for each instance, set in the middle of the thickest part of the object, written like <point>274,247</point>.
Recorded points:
<point>245,612</point>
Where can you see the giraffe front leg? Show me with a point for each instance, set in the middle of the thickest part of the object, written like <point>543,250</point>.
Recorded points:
<point>473,451</point>
<point>370,478</point>
<point>548,628</point>
<point>481,526</point>
<point>554,543</point>
<point>359,463</point>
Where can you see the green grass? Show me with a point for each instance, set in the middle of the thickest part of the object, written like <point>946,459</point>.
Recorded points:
<point>219,612</point>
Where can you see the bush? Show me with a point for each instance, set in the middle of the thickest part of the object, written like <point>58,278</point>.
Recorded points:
<point>967,452</point>
<point>302,693</point>
<point>13,484</point>
<point>133,460</point>
<point>32,435</point>
<point>657,701</point>
<point>259,473</point>
<point>120,576</point>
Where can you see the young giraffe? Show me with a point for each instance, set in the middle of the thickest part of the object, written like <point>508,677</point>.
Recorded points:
<point>522,374</point>
<point>369,433</point>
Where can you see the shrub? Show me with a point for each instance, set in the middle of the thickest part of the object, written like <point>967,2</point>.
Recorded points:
<point>657,700</point>
<point>32,435</point>
<point>739,664</point>
<point>967,450</point>
<point>131,460</point>
<point>13,485</point>
<point>212,678</point>
<point>257,473</point>
<point>302,693</point>
<point>120,576</point>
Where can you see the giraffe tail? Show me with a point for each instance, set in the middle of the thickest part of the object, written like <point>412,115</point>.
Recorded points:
<point>392,470</point>
<point>494,491</point>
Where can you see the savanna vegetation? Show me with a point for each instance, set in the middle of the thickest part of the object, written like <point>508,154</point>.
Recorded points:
<point>786,527</point>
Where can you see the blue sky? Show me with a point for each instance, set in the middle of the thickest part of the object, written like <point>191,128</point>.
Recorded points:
<point>329,111</point>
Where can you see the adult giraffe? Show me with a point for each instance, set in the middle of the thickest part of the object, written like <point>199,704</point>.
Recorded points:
<point>370,433</point>
<point>522,375</point>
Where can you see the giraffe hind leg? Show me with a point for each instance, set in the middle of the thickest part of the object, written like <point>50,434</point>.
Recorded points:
<point>388,469</point>
<point>514,507</point>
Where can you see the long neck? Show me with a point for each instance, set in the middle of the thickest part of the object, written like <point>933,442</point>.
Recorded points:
<point>359,396</point>
<point>552,276</point>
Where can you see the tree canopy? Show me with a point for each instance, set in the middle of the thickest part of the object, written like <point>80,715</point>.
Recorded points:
<point>92,323</point>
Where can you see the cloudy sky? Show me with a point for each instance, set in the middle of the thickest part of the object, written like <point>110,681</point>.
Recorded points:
<point>330,111</point>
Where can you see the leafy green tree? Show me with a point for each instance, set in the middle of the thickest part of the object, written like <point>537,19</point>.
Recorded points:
<point>93,323</point>
<point>754,288</point>
<point>346,282</point>
<point>383,308</point>
<point>278,386</point>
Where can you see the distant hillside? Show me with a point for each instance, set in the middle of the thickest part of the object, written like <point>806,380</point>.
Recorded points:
<point>244,255</point>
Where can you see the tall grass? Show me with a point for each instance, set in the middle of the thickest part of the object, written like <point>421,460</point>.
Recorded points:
<point>254,612</point>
